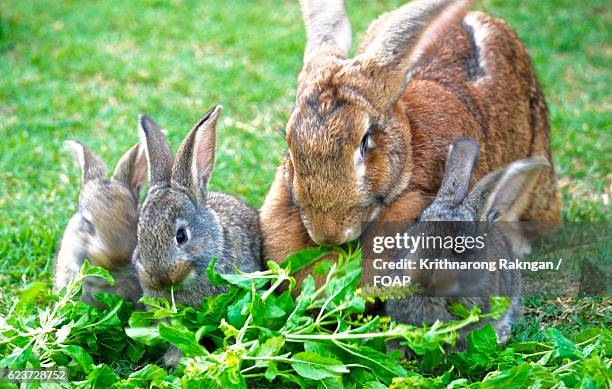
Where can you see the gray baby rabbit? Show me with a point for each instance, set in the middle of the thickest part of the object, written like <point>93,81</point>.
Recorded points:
<point>103,230</point>
<point>183,226</point>
<point>498,197</point>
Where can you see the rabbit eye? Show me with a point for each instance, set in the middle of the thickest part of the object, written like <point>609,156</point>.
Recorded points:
<point>493,215</point>
<point>87,225</point>
<point>365,142</point>
<point>181,236</point>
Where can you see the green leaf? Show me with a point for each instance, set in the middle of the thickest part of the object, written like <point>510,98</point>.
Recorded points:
<point>271,346</point>
<point>528,347</point>
<point>89,270</point>
<point>134,351</point>
<point>432,359</point>
<point>564,348</point>
<point>596,373</point>
<point>238,311</point>
<point>244,280</point>
<point>322,267</point>
<point>483,340</point>
<point>300,259</point>
<point>362,377</point>
<point>145,335</point>
<point>330,383</point>
<point>141,319</point>
<point>426,340</point>
<point>499,306</point>
<point>482,354</point>
<point>511,378</point>
<point>29,294</point>
<point>382,365</point>
<point>18,358</point>
<point>148,373</point>
<point>101,376</point>
<point>156,303</point>
<point>594,340</point>
<point>285,301</point>
<point>335,289</point>
<point>303,300</point>
<point>213,308</point>
<point>212,274</point>
<point>416,380</point>
<point>80,358</point>
<point>109,300</point>
<point>590,333</point>
<point>367,326</point>
<point>374,385</point>
<point>181,337</point>
<point>458,309</point>
<point>325,349</point>
<point>267,313</point>
<point>316,367</point>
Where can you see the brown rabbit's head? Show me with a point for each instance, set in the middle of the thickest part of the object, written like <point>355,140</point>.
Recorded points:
<point>349,142</point>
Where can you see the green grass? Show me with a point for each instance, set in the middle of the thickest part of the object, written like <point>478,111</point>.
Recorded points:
<point>85,70</point>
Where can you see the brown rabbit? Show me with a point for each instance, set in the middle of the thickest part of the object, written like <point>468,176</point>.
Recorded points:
<point>368,136</point>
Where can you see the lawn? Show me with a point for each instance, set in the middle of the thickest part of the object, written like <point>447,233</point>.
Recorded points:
<point>85,70</point>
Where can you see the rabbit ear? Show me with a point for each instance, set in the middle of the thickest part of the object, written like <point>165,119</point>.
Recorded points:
<point>404,38</point>
<point>157,152</point>
<point>462,156</point>
<point>92,167</point>
<point>327,27</point>
<point>195,158</point>
<point>132,168</point>
<point>501,195</point>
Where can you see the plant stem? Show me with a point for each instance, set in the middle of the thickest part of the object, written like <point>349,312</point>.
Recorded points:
<point>281,278</point>
<point>327,301</point>
<point>339,336</point>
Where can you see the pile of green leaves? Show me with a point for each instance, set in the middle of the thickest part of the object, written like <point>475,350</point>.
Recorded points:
<point>258,334</point>
<point>66,332</point>
<point>557,363</point>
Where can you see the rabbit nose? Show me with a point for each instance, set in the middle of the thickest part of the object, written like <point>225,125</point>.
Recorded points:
<point>331,230</point>
<point>179,270</point>
<point>334,238</point>
<point>351,233</point>
<point>160,280</point>
<point>328,240</point>
<point>175,273</point>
